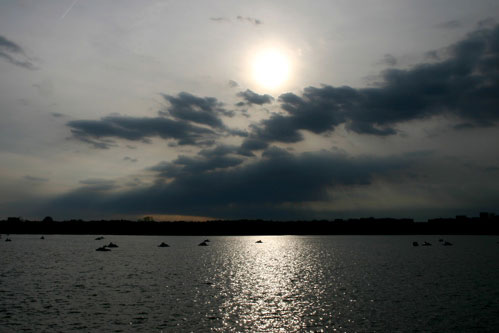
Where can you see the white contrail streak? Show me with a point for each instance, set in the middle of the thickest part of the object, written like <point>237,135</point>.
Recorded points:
<point>67,11</point>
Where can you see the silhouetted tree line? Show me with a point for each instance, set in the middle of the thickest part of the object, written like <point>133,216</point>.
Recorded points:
<point>485,224</point>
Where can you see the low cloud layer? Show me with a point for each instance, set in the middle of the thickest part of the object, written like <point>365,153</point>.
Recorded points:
<point>220,186</point>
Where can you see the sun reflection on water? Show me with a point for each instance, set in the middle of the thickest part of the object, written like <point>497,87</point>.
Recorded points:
<point>273,287</point>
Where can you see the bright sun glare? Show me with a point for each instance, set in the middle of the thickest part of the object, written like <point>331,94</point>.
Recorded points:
<point>270,68</point>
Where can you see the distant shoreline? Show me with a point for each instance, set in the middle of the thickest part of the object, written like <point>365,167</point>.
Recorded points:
<point>485,225</point>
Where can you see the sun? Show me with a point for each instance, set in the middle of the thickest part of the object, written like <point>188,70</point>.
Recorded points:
<point>271,68</point>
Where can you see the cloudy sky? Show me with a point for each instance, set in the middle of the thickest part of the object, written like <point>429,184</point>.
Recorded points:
<point>248,109</point>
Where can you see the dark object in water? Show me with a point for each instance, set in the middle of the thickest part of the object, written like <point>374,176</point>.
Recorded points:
<point>111,244</point>
<point>8,239</point>
<point>163,244</point>
<point>447,243</point>
<point>440,240</point>
<point>42,237</point>
<point>102,249</point>
<point>426,244</point>
<point>259,242</point>
<point>206,241</point>
<point>203,243</point>
<point>99,238</point>
<point>415,244</point>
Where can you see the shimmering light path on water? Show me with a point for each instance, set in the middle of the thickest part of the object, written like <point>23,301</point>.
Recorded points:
<point>287,283</point>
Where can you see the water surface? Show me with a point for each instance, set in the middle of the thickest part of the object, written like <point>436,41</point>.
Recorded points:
<point>287,283</point>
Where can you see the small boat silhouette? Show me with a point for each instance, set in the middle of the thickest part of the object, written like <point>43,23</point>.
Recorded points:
<point>426,244</point>
<point>163,245</point>
<point>8,239</point>
<point>111,244</point>
<point>42,237</point>
<point>415,244</point>
<point>102,249</point>
<point>259,242</point>
<point>447,243</point>
<point>99,238</point>
<point>203,243</point>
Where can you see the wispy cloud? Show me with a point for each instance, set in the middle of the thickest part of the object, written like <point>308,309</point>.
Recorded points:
<point>36,179</point>
<point>251,20</point>
<point>238,18</point>
<point>130,159</point>
<point>452,24</point>
<point>14,54</point>
<point>220,19</point>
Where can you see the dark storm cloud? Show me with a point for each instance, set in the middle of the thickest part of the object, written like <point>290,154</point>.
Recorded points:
<point>206,160</point>
<point>201,110</point>
<point>220,187</point>
<point>14,54</point>
<point>250,144</point>
<point>96,132</point>
<point>318,110</point>
<point>253,98</point>
<point>220,150</point>
<point>189,120</point>
<point>276,152</point>
<point>465,84</point>
<point>190,165</point>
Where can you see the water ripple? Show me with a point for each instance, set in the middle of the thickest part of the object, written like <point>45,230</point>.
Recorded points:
<point>285,284</point>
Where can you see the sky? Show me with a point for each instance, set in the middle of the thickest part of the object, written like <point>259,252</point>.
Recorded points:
<point>277,110</point>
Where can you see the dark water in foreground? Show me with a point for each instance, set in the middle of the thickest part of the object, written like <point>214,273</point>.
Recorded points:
<point>288,283</point>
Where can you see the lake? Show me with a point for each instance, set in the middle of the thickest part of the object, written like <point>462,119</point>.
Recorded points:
<point>285,284</point>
